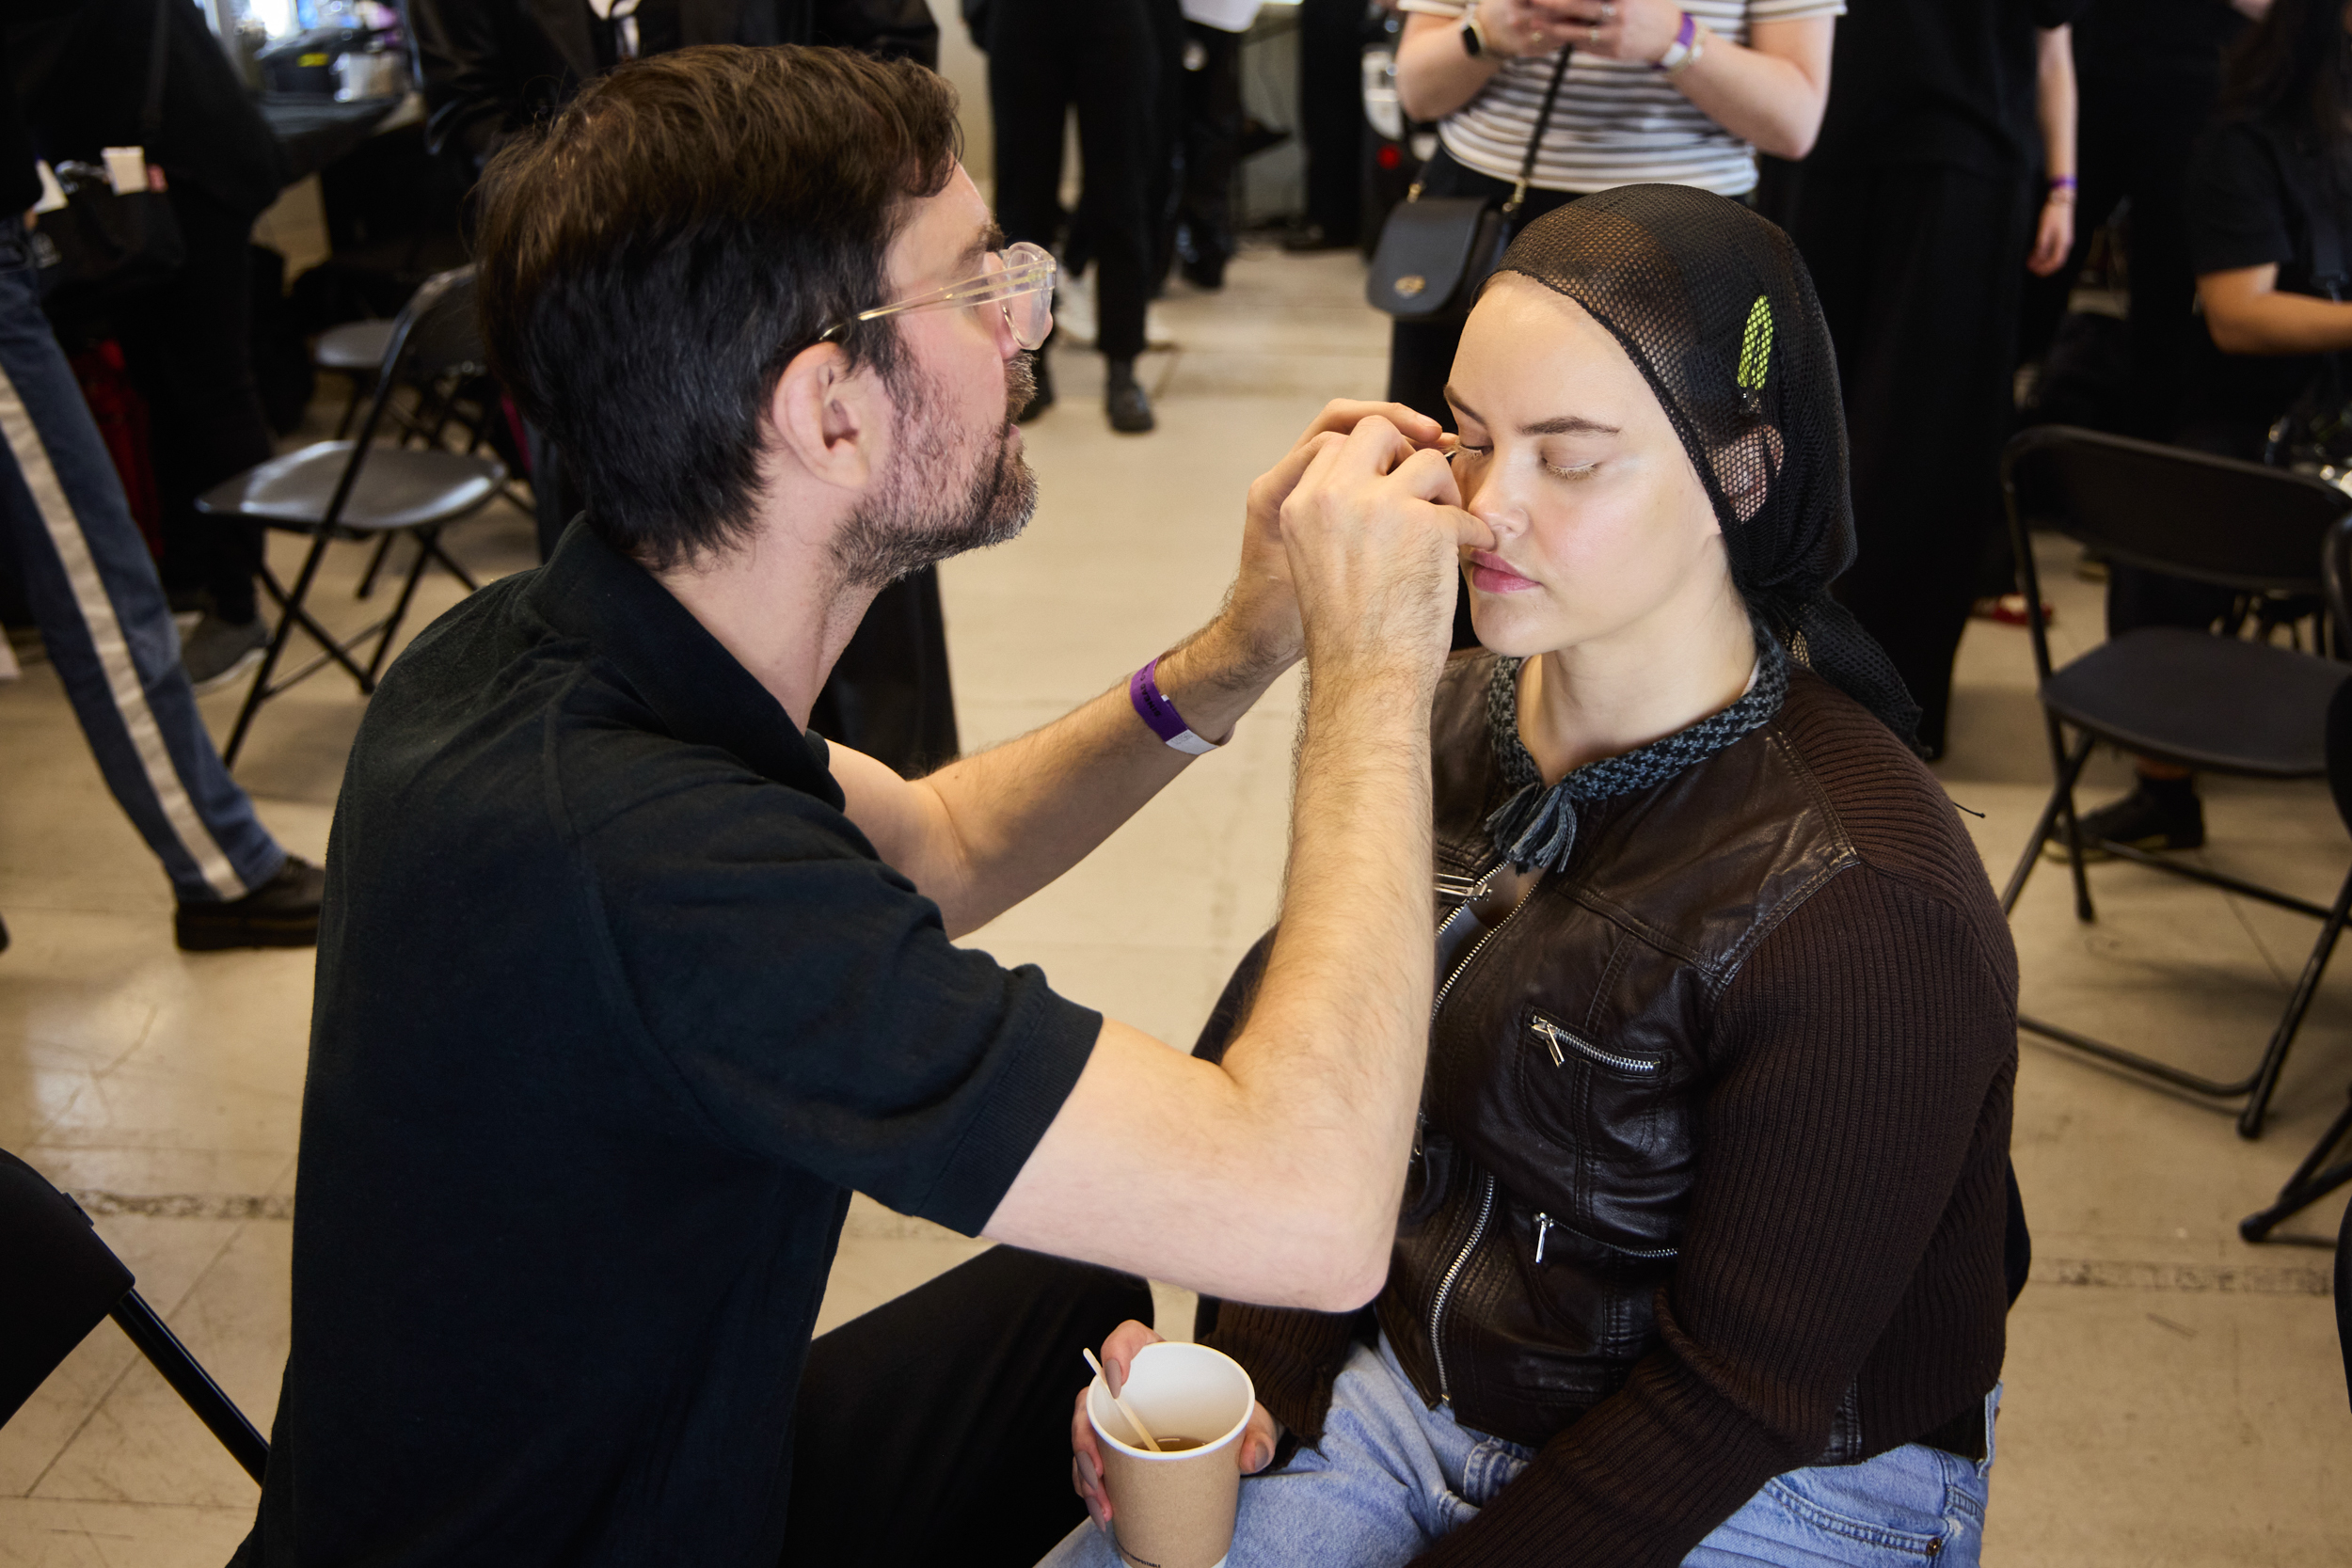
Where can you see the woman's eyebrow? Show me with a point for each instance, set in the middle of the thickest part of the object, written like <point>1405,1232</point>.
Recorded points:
<point>1570,424</point>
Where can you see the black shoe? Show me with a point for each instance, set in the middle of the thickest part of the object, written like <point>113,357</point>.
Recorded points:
<point>2140,821</point>
<point>1206,271</point>
<point>1043,398</point>
<point>1257,136</point>
<point>1304,239</point>
<point>1125,402</point>
<point>218,651</point>
<point>281,912</point>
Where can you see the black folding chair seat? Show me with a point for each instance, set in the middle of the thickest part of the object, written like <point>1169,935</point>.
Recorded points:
<point>2213,703</point>
<point>398,487</point>
<point>62,1281</point>
<point>362,489</point>
<point>353,347</point>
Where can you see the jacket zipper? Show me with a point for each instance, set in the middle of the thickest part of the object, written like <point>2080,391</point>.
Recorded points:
<point>1487,1182</point>
<point>1555,1036</point>
<point>1545,1225</point>
<point>1445,1285</point>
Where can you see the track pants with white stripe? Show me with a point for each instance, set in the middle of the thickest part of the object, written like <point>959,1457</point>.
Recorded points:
<point>93,590</point>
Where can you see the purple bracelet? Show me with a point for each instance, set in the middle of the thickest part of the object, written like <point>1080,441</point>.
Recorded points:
<point>1161,715</point>
<point>2064,182</point>
<point>1679,51</point>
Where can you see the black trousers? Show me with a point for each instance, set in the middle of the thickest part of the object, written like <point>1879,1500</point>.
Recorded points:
<point>1108,58</point>
<point>936,1429</point>
<point>2137,138</point>
<point>189,348</point>
<point>1331,113</point>
<point>1210,99</point>
<point>1919,269</point>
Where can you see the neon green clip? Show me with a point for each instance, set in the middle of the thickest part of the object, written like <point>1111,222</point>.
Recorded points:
<point>1756,345</point>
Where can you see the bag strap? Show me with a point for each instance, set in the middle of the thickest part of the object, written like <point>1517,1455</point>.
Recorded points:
<point>152,116</point>
<point>1535,138</point>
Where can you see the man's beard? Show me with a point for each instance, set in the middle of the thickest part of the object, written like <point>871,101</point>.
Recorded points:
<point>925,510</point>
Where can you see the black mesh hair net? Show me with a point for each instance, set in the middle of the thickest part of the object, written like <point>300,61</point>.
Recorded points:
<point>1714,304</point>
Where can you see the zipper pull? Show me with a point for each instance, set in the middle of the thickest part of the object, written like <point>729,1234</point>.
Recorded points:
<point>1551,1043</point>
<point>1543,1233</point>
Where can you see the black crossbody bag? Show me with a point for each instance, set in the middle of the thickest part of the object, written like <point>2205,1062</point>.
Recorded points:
<point>104,245</point>
<point>1435,255</point>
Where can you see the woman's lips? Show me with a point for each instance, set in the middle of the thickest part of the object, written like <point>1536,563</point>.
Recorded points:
<point>1490,574</point>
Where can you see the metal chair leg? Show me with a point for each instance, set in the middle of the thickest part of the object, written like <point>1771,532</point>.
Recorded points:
<point>2249,1121</point>
<point>195,1385</point>
<point>2061,802</point>
<point>375,564</point>
<point>400,608</point>
<point>2307,1186</point>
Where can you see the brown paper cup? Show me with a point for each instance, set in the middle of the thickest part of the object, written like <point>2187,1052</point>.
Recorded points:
<point>1174,1509</point>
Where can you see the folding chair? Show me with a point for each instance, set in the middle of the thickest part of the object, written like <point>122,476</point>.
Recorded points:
<point>2215,703</point>
<point>355,351</point>
<point>2314,1178</point>
<point>362,489</point>
<point>62,1280</point>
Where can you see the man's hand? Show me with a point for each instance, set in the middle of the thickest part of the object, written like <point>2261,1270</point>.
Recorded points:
<point>1372,530</point>
<point>1262,607</point>
<point>1253,1452</point>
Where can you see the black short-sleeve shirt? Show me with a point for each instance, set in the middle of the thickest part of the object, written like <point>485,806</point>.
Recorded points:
<point>614,1010</point>
<point>2250,200</point>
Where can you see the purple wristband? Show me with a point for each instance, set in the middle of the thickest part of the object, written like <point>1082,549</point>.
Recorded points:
<point>2064,182</point>
<point>1677,53</point>
<point>1161,715</point>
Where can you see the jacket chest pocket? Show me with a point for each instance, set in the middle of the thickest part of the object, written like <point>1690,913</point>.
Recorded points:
<point>1619,1124</point>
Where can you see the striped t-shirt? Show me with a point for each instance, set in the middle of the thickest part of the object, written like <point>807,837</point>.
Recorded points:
<point>1618,122</point>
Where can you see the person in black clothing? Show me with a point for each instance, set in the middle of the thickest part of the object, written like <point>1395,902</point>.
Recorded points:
<point>2149,74</point>
<point>1915,213</point>
<point>1330,123</point>
<point>627,981</point>
<point>2269,196</point>
<point>1108,58</point>
<point>188,342</point>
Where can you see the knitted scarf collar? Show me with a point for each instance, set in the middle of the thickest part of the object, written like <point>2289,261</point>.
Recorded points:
<point>1536,826</point>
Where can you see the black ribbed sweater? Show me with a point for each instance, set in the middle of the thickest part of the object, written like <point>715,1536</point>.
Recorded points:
<point>1849,1220</point>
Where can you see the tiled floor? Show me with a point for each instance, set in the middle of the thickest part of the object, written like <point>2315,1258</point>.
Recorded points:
<point>2174,1397</point>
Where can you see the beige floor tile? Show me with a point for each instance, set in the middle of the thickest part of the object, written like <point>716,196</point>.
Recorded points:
<point>37,1533</point>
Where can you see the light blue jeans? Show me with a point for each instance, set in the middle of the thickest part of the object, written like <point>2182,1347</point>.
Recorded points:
<point>1392,1477</point>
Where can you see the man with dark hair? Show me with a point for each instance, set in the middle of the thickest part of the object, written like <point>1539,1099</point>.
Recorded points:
<point>626,981</point>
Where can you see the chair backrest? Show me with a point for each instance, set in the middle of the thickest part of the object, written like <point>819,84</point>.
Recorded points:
<point>63,1280</point>
<point>435,335</point>
<point>2240,526</point>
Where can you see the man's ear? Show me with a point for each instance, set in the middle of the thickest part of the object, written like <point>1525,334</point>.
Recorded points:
<point>1745,469</point>
<point>827,419</point>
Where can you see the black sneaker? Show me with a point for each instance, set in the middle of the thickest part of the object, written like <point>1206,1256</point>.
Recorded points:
<point>1124,401</point>
<point>2140,821</point>
<point>281,912</point>
<point>218,651</point>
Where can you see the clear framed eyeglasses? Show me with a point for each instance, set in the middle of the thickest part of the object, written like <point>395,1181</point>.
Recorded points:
<point>1019,281</point>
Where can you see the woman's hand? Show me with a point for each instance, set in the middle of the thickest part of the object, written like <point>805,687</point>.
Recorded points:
<point>1641,30</point>
<point>1254,1452</point>
<point>1516,27</point>
<point>1262,606</point>
<point>2054,235</point>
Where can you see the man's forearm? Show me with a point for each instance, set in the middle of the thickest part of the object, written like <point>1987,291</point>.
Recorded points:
<point>1333,1048</point>
<point>1013,818</point>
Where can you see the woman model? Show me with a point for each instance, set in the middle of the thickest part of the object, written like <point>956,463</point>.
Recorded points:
<point>1703,1253</point>
<point>1655,91</point>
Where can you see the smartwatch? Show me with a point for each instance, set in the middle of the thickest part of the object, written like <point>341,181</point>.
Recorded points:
<point>1473,36</point>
